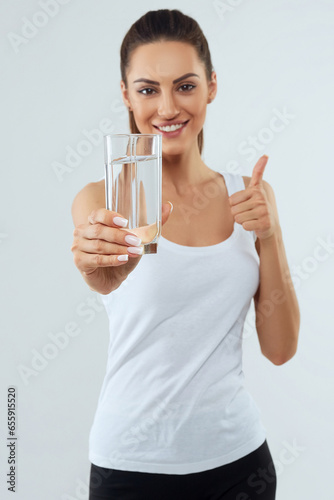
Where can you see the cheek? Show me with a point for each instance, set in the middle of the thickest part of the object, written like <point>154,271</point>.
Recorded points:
<point>198,111</point>
<point>197,104</point>
<point>142,108</point>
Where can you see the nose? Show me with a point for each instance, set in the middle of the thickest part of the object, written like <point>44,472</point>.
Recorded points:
<point>167,107</point>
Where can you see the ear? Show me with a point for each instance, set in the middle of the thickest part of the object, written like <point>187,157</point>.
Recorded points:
<point>125,95</point>
<point>212,87</point>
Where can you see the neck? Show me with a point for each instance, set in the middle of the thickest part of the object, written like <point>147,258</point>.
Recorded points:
<point>185,170</point>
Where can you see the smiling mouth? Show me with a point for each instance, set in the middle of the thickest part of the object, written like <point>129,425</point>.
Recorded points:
<point>171,128</point>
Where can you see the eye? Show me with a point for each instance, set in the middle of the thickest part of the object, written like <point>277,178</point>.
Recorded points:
<point>146,91</point>
<point>186,87</point>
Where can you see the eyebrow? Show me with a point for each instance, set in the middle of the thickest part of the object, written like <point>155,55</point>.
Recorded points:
<point>157,83</point>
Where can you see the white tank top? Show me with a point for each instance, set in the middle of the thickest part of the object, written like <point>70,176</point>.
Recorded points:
<point>173,398</point>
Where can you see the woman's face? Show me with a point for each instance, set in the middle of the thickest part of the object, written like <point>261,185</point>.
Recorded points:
<point>168,93</point>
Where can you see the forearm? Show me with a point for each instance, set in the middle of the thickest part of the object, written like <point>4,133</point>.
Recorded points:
<point>276,305</point>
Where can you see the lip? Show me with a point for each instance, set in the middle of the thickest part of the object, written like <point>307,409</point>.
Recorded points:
<point>171,134</point>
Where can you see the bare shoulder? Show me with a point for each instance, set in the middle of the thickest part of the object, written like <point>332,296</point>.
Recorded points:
<point>89,198</point>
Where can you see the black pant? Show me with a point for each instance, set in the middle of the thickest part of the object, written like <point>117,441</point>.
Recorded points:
<point>252,477</point>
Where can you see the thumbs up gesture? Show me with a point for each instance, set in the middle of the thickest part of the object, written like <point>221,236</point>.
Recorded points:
<point>254,207</point>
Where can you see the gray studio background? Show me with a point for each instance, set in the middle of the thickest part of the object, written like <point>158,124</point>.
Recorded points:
<point>59,82</point>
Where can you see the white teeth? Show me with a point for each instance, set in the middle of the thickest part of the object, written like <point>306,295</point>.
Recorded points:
<point>171,128</point>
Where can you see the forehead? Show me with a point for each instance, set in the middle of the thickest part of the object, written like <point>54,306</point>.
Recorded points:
<point>164,59</point>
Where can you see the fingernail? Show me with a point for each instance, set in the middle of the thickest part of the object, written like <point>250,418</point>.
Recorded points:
<point>171,204</point>
<point>133,240</point>
<point>119,221</point>
<point>123,258</point>
<point>136,250</point>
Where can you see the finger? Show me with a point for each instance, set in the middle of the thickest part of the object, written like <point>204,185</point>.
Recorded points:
<point>245,206</point>
<point>167,209</point>
<point>90,262</point>
<point>107,217</point>
<point>249,215</point>
<point>112,235</point>
<point>98,246</point>
<point>87,259</point>
<point>239,197</point>
<point>258,171</point>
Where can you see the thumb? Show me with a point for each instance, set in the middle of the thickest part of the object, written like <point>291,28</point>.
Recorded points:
<point>167,209</point>
<point>258,171</point>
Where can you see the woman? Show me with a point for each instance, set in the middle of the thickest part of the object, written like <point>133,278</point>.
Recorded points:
<point>174,420</point>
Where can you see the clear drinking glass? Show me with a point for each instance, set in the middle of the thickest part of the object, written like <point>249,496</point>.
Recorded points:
<point>133,175</point>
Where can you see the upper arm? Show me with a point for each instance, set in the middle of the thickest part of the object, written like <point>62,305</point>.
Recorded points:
<point>91,197</point>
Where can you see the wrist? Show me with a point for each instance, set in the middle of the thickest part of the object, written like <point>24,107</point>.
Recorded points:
<point>274,238</point>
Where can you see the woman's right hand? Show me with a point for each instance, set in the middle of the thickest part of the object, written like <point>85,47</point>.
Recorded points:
<point>99,244</point>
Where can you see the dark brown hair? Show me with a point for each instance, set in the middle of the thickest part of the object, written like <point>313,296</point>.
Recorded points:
<point>165,25</point>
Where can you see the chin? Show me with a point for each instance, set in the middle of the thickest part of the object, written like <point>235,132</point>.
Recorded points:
<point>173,149</point>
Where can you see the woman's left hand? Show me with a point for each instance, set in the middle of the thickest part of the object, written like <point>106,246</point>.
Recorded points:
<point>251,207</point>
